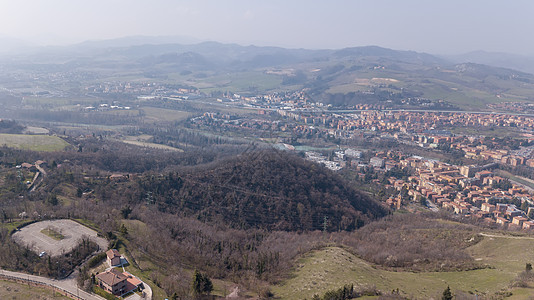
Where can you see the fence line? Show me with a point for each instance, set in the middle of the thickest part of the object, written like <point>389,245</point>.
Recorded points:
<point>41,284</point>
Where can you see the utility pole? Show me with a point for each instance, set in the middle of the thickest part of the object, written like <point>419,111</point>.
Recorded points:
<point>325,223</point>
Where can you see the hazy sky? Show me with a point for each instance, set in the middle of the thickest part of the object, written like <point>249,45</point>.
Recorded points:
<point>434,26</point>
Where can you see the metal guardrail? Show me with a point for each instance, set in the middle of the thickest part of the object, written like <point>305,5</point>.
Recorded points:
<point>41,284</point>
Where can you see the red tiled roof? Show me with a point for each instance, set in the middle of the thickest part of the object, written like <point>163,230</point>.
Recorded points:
<point>111,253</point>
<point>111,277</point>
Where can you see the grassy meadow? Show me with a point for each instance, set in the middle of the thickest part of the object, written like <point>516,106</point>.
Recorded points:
<point>332,267</point>
<point>33,142</point>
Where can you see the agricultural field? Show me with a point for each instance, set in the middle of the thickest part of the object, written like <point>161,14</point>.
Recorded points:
<point>162,114</point>
<point>45,143</point>
<point>240,82</point>
<point>332,267</point>
<point>141,141</point>
<point>58,101</point>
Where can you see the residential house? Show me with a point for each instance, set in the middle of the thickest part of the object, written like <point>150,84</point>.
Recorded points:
<point>528,225</point>
<point>487,207</point>
<point>519,221</point>
<point>501,221</point>
<point>113,257</point>
<point>112,281</point>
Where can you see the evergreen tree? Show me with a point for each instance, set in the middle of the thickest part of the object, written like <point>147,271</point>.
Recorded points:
<point>79,192</point>
<point>447,295</point>
<point>52,200</point>
<point>201,284</point>
<point>123,230</point>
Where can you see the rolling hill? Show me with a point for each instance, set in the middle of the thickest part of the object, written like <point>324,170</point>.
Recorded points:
<point>367,69</point>
<point>265,189</point>
<point>461,81</point>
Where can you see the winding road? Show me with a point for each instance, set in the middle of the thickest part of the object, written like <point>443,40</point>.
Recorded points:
<point>68,284</point>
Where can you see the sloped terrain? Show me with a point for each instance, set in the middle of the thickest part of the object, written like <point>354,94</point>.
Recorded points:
<point>266,189</point>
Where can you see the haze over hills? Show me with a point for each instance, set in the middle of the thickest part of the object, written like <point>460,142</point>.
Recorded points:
<point>496,59</point>
<point>157,45</point>
<point>238,161</point>
<point>342,77</point>
<point>9,46</point>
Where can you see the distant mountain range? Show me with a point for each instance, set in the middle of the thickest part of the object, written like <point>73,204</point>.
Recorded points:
<point>11,45</point>
<point>496,59</point>
<point>153,45</point>
<point>470,81</point>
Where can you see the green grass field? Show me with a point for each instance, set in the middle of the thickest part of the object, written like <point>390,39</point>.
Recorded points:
<point>332,267</point>
<point>11,226</point>
<point>238,82</point>
<point>53,234</point>
<point>141,142</point>
<point>33,142</point>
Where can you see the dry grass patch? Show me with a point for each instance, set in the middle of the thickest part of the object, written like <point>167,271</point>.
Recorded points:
<point>16,291</point>
<point>33,142</point>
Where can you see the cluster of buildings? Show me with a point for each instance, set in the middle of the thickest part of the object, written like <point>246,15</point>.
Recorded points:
<point>518,107</point>
<point>300,100</point>
<point>482,148</point>
<point>285,100</point>
<point>407,121</point>
<point>467,190</point>
<point>148,89</point>
<point>105,107</point>
<point>415,128</point>
<point>475,191</point>
<point>335,164</point>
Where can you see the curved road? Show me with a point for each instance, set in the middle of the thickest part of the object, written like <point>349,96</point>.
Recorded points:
<point>68,284</point>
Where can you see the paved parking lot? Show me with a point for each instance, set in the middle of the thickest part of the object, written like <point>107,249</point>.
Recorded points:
<point>73,232</point>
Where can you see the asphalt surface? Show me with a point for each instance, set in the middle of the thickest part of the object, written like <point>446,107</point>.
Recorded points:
<point>68,284</point>
<point>73,232</point>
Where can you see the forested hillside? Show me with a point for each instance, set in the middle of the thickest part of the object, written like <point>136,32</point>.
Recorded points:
<point>266,189</point>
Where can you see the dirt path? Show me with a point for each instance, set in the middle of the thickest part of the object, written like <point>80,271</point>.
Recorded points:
<point>234,293</point>
<point>507,236</point>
